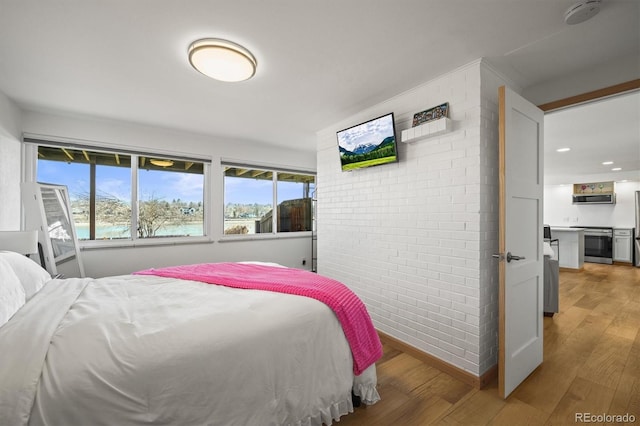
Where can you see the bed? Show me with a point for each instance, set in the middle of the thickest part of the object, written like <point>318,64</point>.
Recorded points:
<point>150,349</point>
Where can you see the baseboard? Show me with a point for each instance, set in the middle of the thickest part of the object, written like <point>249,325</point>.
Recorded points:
<point>445,367</point>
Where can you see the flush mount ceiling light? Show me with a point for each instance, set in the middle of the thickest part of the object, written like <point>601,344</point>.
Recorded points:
<point>222,59</point>
<point>563,149</point>
<point>582,11</point>
<point>161,163</point>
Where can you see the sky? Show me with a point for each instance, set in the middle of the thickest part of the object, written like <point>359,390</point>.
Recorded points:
<point>371,132</point>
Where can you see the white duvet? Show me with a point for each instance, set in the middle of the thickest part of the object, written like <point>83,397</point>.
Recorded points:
<point>133,350</point>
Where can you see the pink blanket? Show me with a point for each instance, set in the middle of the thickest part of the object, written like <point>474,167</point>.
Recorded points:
<point>351,312</point>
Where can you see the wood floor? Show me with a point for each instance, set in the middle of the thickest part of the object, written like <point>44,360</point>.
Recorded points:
<point>591,365</point>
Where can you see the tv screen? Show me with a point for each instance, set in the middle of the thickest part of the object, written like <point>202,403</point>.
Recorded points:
<point>368,144</point>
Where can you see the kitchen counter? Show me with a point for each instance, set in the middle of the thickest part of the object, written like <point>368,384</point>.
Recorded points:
<point>570,246</point>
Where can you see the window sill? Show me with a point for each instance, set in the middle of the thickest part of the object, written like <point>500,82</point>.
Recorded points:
<point>150,242</point>
<point>254,237</point>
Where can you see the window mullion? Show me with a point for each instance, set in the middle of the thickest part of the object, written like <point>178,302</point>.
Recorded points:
<point>206,200</point>
<point>92,201</point>
<point>134,197</point>
<point>274,218</point>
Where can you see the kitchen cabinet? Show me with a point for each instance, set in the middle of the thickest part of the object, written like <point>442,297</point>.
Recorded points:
<point>622,245</point>
<point>570,246</point>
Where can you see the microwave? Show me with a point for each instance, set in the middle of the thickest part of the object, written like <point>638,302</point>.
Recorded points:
<point>594,198</point>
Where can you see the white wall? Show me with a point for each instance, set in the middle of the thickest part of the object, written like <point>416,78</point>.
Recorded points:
<point>414,239</point>
<point>559,211</point>
<point>10,165</point>
<point>286,250</point>
<point>615,71</point>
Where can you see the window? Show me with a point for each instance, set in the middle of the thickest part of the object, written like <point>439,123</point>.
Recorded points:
<point>128,196</point>
<point>170,199</point>
<point>251,193</point>
<point>294,201</point>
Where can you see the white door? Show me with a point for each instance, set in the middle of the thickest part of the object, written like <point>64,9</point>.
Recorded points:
<point>520,240</point>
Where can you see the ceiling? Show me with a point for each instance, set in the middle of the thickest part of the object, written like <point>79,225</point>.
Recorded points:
<point>318,62</point>
<point>604,130</point>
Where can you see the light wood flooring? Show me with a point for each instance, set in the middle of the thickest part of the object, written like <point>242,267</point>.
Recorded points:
<point>591,365</point>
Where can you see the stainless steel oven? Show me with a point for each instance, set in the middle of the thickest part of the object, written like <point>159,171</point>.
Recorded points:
<point>598,245</point>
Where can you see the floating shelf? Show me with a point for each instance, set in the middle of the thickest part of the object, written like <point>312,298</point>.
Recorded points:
<point>427,130</point>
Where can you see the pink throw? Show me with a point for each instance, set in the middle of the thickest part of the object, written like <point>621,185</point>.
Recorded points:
<point>351,312</point>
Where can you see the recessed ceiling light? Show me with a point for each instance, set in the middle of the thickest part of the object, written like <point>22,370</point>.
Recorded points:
<point>607,163</point>
<point>222,59</point>
<point>563,149</point>
<point>616,169</point>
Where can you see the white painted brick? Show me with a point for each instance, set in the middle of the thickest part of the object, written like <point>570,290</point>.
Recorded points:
<point>427,307</point>
<point>465,364</point>
<point>452,348</point>
<point>413,239</point>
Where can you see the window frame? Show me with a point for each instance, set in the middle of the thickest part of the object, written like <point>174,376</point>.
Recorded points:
<point>275,171</point>
<point>30,161</point>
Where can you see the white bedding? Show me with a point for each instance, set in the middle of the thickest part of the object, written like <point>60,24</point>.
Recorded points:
<point>135,350</point>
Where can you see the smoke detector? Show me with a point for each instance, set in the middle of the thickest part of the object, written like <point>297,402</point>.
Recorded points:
<point>582,11</point>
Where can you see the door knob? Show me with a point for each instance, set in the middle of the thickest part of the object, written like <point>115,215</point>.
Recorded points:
<point>511,257</point>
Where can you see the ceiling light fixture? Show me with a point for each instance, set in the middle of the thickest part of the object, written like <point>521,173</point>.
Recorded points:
<point>161,163</point>
<point>616,169</point>
<point>607,163</point>
<point>222,60</point>
<point>563,149</point>
<point>581,11</point>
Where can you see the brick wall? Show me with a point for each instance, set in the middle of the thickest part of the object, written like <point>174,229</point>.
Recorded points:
<point>414,239</point>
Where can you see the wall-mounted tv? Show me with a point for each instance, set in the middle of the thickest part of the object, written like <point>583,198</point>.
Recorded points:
<point>368,144</point>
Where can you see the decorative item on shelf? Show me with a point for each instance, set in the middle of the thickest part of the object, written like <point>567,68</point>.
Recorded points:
<point>593,188</point>
<point>428,123</point>
<point>431,114</point>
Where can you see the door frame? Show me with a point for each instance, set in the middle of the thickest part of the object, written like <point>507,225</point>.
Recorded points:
<point>616,89</point>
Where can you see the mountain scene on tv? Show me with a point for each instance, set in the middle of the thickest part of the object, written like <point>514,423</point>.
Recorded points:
<point>368,144</point>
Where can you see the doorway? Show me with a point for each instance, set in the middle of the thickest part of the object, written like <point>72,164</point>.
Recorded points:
<point>596,128</point>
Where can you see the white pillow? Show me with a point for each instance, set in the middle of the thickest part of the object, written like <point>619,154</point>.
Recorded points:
<point>11,292</point>
<point>251,262</point>
<point>31,275</point>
